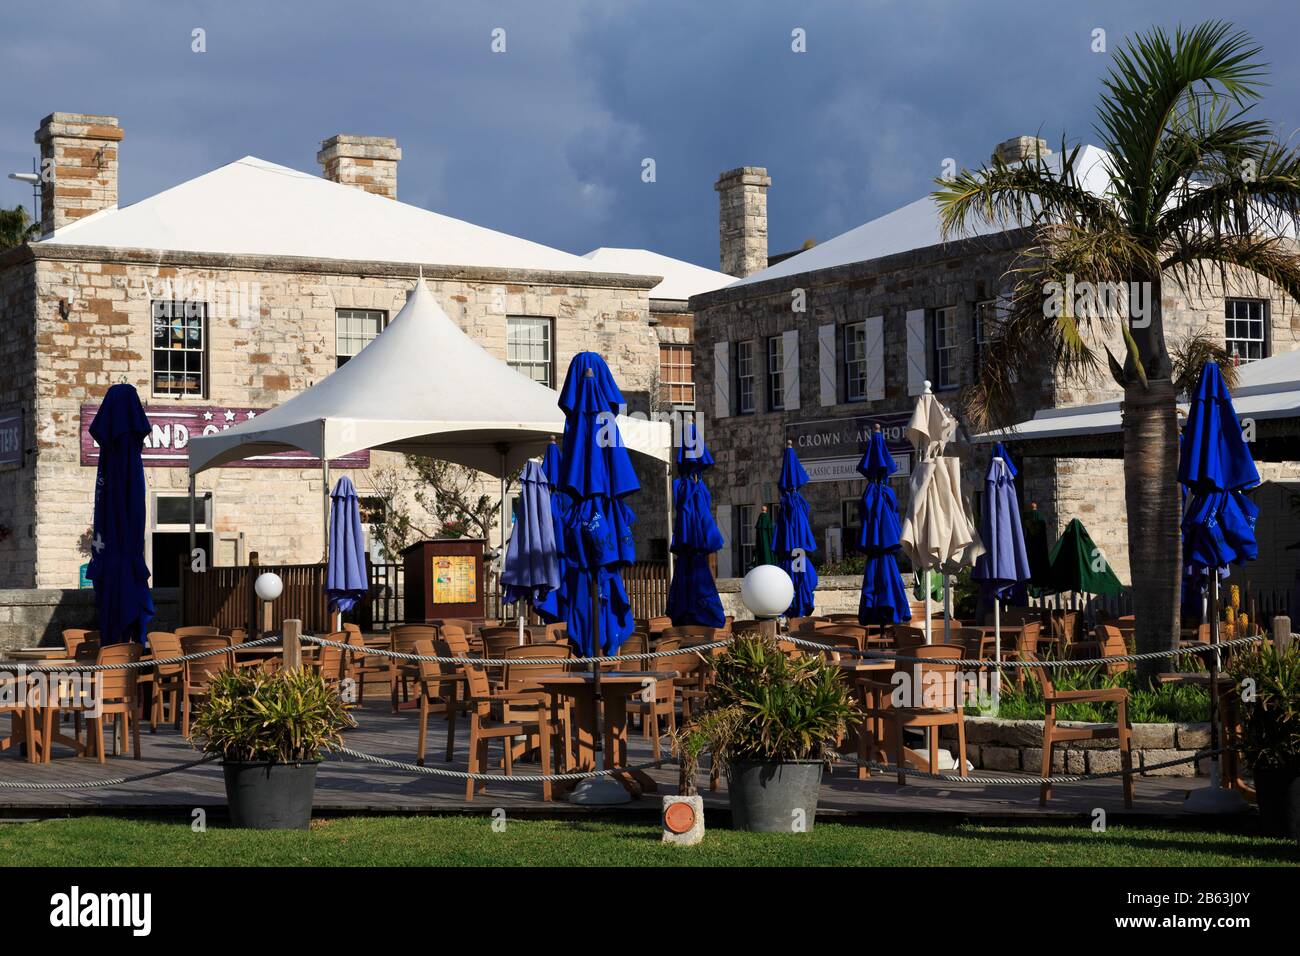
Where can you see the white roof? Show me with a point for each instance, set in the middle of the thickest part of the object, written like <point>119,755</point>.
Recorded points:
<point>424,387</point>
<point>252,207</point>
<point>914,226</point>
<point>1269,388</point>
<point>681,279</point>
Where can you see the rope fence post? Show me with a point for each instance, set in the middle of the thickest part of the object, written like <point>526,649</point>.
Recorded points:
<point>292,642</point>
<point>1281,632</point>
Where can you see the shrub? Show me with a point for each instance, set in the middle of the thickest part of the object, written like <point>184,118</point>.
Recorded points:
<point>1270,722</point>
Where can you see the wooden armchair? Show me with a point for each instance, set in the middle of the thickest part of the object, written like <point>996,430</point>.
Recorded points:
<point>105,694</point>
<point>74,637</point>
<point>358,664</point>
<point>436,687</point>
<point>402,639</point>
<point>198,631</point>
<point>16,701</point>
<point>1109,642</point>
<point>164,681</point>
<point>934,696</point>
<point>1054,734</point>
<point>198,674</point>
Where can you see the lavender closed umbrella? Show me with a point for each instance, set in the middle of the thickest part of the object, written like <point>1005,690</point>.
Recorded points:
<point>532,568</point>
<point>346,581</point>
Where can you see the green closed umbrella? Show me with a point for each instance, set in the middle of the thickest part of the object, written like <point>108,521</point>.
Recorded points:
<point>763,530</point>
<point>1037,550</point>
<point>1077,564</point>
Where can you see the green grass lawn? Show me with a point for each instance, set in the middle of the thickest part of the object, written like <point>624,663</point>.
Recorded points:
<point>471,841</point>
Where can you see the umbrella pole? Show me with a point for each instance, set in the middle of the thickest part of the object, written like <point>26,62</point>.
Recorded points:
<point>325,506</point>
<point>997,649</point>
<point>947,610</point>
<point>928,636</point>
<point>1215,798</point>
<point>520,608</point>
<point>668,487</point>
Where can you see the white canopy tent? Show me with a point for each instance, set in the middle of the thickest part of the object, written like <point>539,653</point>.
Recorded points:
<point>422,387</point>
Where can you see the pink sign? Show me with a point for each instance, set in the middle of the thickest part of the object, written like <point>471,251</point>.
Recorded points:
<point>174,425</point>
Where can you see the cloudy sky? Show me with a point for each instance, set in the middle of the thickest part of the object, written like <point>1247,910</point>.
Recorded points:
<point>547,139</point>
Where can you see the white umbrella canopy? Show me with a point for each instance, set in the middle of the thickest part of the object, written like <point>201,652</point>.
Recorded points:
<point>937,532</point>
<point>423,387</point>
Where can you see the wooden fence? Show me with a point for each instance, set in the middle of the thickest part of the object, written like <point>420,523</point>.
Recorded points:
<point>224,596</point>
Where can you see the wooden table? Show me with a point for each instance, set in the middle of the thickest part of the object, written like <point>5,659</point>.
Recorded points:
<point>38,654</point>
<point>615,689</point>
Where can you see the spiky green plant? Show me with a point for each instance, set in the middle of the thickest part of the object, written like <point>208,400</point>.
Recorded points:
<point>1199,190</point>
<point>284,716</point>
<point>1270,707</point>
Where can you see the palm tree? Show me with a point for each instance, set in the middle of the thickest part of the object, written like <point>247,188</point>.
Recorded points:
<point>16,227</point>
<point>1199,190</point>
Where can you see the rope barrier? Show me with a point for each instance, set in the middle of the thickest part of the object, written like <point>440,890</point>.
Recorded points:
<point>148,662</point>
<point>110,782</point>
<point>1021,780</point>
<point>506,661</point>
<point>496,777</point>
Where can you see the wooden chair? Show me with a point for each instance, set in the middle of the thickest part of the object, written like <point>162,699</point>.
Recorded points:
<point>934,703</point>
<point>436,691</point>
<point>747,628</point>
<point>402,639</point>
<point>111,693</point>
<point>16,701</point>
<point>485,726</point>
<point>73,637</point>
<point>198,631</point>
<point>1109,642</point>
<point>331,662</point>
<point>359,664</point>
<point>165,681</point>
<point>198,673</point>
<point>1053,734</point>
<point>856,632</point>
<point>499,640</point>
<point>454,643</point>
<point>843,619</point>
<point>638,642</point>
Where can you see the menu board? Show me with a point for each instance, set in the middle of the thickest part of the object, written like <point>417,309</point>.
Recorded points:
<point>455,579</point>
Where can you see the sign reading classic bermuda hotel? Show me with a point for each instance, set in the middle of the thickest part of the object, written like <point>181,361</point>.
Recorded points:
<point>11,438</point>
<point>830,448</point>
<point>172,427</point>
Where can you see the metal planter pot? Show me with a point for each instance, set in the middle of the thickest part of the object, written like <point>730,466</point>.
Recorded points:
<point>772,796</point>
<point>1278,796</point>
<point>270,796</point>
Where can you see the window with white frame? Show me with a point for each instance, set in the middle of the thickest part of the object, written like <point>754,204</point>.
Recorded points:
<point>1245,326</point>
<point>180,348</point>
<point>855,362</point>
<point>354,329</point>
<point>529,348</point>
<point>986,329</point>
<point>677,375</point>
<point>746,374</point>
<point>945,348</point>
<point>775,373</point>
<point>746,518</point>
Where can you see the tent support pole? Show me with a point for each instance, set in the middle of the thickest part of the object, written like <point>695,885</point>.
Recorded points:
<point>193,534</point>
<point>325,508</point>
<point>501,555</point>
<point>668,486</point>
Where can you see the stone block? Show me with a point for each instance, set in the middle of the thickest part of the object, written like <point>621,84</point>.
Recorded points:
<point>1000,758</point>
<point>1103,761</point>
<point>1032,760</point>
<point>1152,736</point>
<point>1076,761</point>
<point>1192,736</point>
<point>1160,756</point>
<point>16,635</point>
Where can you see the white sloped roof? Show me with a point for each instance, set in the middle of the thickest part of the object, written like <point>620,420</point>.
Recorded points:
<point>1269,388</point>
<point>914,226</point>
<point>252,207</point>
<point>681,279</point>
<point>424,387</point>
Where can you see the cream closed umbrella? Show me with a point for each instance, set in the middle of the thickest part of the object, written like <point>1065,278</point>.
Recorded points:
<point>937,533</point>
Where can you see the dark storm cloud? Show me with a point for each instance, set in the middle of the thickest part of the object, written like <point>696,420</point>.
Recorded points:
<point>547,140</point>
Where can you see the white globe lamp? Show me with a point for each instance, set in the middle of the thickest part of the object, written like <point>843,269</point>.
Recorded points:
<point>767,591</point>
<point>268,586</point>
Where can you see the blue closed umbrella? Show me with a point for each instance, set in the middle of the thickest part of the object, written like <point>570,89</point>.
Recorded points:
<point>532,570</point>
<point>552,607</point>
<point>1215,467</point>
<point>693,594</point>
<point>793,541</point>
<point>346,582</point>
<point>123,603</point>
<point>1004,565</point>
<point>884,599</point>
<point>596,471</point>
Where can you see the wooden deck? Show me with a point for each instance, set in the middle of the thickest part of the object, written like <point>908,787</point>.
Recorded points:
<point>346,785</point>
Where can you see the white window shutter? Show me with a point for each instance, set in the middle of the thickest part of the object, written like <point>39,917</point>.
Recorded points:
<point>827,371</point>
<point>875,349</point>
<point>790,368</point>
<point>916,363</point>
<point>723,518</point>
<point>721,379</point>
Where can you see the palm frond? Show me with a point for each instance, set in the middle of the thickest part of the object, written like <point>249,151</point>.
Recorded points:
<point>1189,355</point>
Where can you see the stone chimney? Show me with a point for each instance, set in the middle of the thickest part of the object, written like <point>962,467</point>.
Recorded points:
<point>742,220</point>
<point>78,167</point>
<point>367,162</point>
<point>1020,148</point>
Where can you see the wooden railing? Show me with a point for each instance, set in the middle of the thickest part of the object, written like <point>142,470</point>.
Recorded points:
<point>646,583</point>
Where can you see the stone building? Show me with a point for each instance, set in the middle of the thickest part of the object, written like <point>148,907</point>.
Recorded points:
<point>229,293</point>
<point>819,346</point>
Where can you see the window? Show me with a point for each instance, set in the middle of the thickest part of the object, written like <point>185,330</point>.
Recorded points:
<point>529,348</point>
<point>745,373</point>
<point>746,517</point>
<point>775,373</point>
<point>168,543</point>
<point>354,329</point>
<point>180,344</point>
<point>851,522</point>
<point>986,328</point>
<point>677,375</point>
<point>1244,327</point>
<point>855,362</point>
<point>945,348</point>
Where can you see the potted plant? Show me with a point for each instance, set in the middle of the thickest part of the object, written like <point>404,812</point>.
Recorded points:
<point>270,729</point>
<point>683,814</point>
<point>1268,680</point>
<point>769,718</point>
